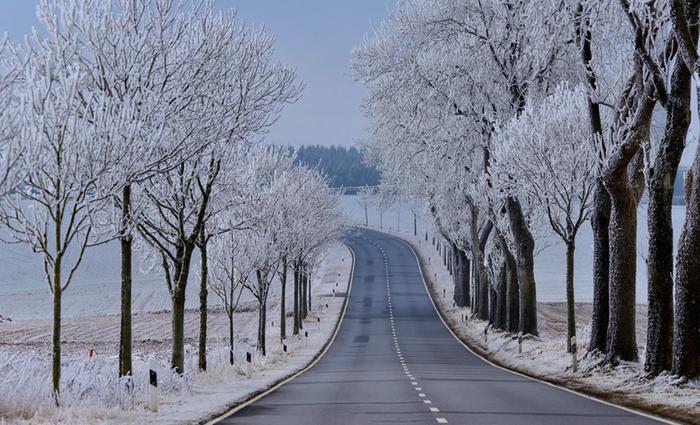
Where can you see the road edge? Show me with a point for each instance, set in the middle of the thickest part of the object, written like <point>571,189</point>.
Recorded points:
<point>257,395</point>
<point>495,363</point>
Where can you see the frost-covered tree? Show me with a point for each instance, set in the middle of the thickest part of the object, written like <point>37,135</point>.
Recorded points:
<point>603,46</point>
<point>621,167</point>
<point>230,269</point>
<point>67,161</point>
<point>441,74</point>
<point>154,60</point>
<point>546,155</point>
<point>241,100</point>
<point>686,330</point>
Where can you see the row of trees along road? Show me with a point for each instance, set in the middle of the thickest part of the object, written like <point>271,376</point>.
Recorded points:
<point>138,120</point>
<point>515,120</point>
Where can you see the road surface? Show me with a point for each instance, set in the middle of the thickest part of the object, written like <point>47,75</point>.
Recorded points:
<point>394,362</point>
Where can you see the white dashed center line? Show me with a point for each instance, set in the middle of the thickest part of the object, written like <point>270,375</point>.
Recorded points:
<point>414,381</point>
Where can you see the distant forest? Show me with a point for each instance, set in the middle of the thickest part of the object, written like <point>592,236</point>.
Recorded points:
<point>343,165</point>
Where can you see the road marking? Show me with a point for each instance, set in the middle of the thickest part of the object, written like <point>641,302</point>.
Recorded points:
<point>427,402</point>
<point>419,389</point>
<point>434,409</point>
<point>441,420</point>
<point>414,383</point>
<point>421,395</point>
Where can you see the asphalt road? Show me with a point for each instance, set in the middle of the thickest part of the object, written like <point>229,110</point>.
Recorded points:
<point>394,362</point>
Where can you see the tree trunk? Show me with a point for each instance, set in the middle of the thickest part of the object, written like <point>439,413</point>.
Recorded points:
<point>56,360</point>
<point>524,255</point>
<point>461,279</point>
<point>296,299</point>
<point>126,241</point>
<point>659,220</point>
<point>493,305</point>
<point>570,302</point>
<point>304,294</point>
<point>308,284</point>
<point>231,356</point>
<point>262,311</point>
<point>686,336</point>
<point>177,358</point>
<point>501,302</point>
<point>512,293</point>
<point>622,343</point>
<point>600,222</point>
<point>262,325</point>
<point>203,292</point>
<point>283,300</point>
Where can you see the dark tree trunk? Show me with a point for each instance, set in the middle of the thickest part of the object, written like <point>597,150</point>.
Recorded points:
<point>461,279</point>
<point>295,331</point>
<point>283,300</point>
<point>524,255</point>
<point>56,338</point>
<point>231,357</point>
<point>262,325</point>
<point>512,293</point>
<point>622,343</point>
<point>686,336</point>
<point>570,302</point>
<point>177,358</point>
<point>126,241</point>
<point>493,305</point>
<point>304,293</point>
<point>262,312</point>
<point>662,177</point>
<point>600,222</point>
<point>308,284</point>
<point>203,292</point>
<point>600,215</point>
<point>501,302</point>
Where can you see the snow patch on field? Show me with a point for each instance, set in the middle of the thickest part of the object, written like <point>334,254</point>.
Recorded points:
<point>545,356</point>
<point>92,393</point>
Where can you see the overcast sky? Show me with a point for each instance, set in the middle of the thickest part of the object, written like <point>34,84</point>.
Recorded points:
<point>314,36</point>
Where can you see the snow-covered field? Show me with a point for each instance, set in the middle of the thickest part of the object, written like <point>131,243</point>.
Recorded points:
<point>91,392</point>
<point>546,358</point>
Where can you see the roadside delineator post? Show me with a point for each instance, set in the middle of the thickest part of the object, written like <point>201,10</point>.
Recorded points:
<point>486,334</point>
<point>520,342</point>
<point>91,353</point>
<point>153,384</point>
<point>574,358</point>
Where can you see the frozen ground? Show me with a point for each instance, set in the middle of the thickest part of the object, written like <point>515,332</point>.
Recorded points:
<point>90,390</point>
<point>545,357</point>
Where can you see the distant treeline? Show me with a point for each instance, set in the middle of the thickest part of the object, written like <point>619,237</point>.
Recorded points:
<point>343,165</point>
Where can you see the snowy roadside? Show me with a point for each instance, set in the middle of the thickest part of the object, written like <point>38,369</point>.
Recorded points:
<point>545,357</point>
<point>92,393</point>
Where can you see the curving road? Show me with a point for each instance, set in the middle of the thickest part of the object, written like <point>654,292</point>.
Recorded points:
<point>394,362</point>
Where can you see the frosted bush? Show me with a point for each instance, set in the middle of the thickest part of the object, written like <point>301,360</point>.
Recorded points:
<point>25,382</point>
